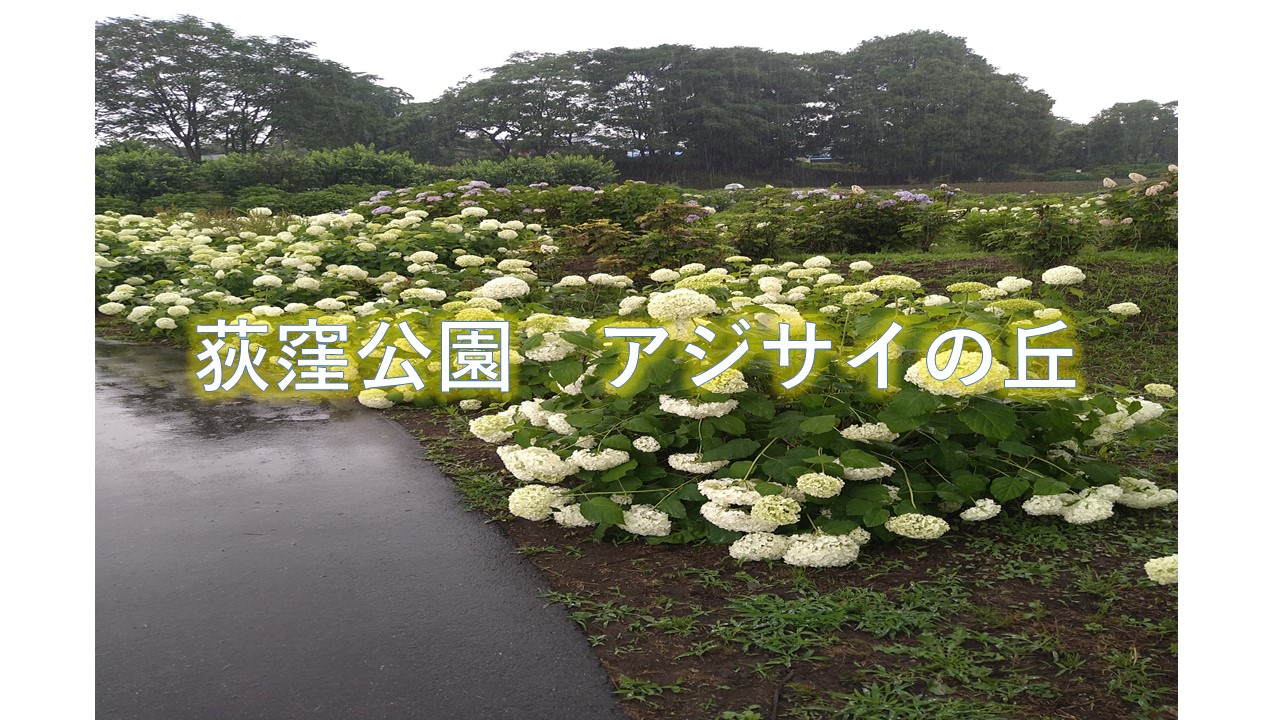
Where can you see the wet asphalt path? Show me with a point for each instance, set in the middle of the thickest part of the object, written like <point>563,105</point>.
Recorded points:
<point>263,561</point>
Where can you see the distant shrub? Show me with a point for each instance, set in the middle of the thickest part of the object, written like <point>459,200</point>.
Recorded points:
<point>124,206</point>
<point>141,174</point>
<point>264,196</point>
<point>356,164</point>
<point>550,169</point>
<point>234,172</point>
<point>185,202</point>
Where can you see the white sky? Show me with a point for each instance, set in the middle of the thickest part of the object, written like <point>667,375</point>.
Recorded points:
<point>1086,59</point>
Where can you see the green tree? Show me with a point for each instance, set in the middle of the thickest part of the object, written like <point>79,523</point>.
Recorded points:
<point>1138,132</point>
<point>194,84</point>
<point>922,105</point>
<point>535,103</point>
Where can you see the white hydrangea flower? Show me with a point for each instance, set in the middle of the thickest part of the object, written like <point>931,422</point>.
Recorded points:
<point>646,443</point>
<point>535,464</point>
<point>534,502</point>
<point>776,509</point>
<point>571,516</point>
<point>1160,390</point>
<point>166,323</point>
<point>733,491</point>
<point>891,283</point>
<point>680,304</point>
<point>140,313</point>
<point>470,404</point>
<point>571,281</point>
<point>552,348</point>
<point>504,287</point>
<point>874,473</point>
<point>1048,314</point>
<point>819,485</point>
<point>1143,494</point>
<point>869,431</point>
<point>760,546</point>
<point>1125,309</point>
<point>630,304</point>
<point>474,211</point>
<point>374,398</point>
<point>1012,284</point>
<point>598,461</point>
<point>860,266</point>
<point>698,411</point>
<point>493,428</point>
<point>735,520</point>
<point>111,308</point>
<point>1163,570</point>
<point>820,550</point>
<point>646,520</point>
<point>692,463</point>
<point>983,509</point>
<point>1063,275</point>
<point>858,297</point>
<point>917,526</point>
<point>727,383</point>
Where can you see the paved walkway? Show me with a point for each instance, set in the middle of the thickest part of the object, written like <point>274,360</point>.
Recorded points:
<point>260,561</point>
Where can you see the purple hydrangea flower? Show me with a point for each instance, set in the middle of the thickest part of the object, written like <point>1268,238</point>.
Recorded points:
<point>692,218</point>
<point>449,194</point>
<point>434,198</point>
<point>503,191</point>
<point>465,203</point>
<point>383,210</point>
<point>581,188</point>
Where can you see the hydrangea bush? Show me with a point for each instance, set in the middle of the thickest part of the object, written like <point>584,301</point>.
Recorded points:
<point>806,475</point>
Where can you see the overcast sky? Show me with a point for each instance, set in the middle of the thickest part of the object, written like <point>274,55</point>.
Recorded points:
<point>1086,59</point>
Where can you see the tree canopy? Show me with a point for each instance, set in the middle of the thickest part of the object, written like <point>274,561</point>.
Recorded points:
<point>197,85</point>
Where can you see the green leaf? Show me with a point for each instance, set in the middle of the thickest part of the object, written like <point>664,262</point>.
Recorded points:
<point>768,488</point>
<point>787,424</point>
<point>1049,486</point>
<point>755,404</point>
<point>837,527</point>
<point>989,418</point>
<point>857,459</point>
<point>900,423</point>
<point>617,442</point>
<point>873,518</point>
<point>874,492</point>
<point>730,425</point>
<point>732,450</point>
<point>691,493</point>
<point>913,403</point>
<point>672,506</point>
<point>566,371</point>
<point>642,424</point>
<point>951,493</point>
<point>1017,449</point>
<point>975,486</point>
<point>602,510</point>
<point>585,419</point>
<point>819,424</point>
<point>617,473</point>
<point>1007,488</point>
<point>1099,472</point>
<point>659,370</point>
<point>1148,431</point>
<point>859,506</point>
